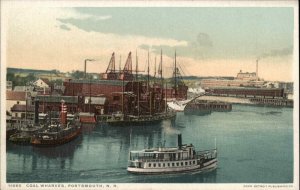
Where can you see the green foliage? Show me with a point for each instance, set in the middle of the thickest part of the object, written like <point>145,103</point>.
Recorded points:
<point>77,74</point>
<point>20,80</point>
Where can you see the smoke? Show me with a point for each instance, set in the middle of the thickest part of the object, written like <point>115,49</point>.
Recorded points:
<point>277,53</point>
<point>203,40</point>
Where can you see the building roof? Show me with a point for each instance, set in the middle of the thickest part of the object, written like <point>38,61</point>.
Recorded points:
<point>13,95</point>
<point>23,88</point>
<point>57,98</point>
<point>46,81</point>
<point>95,100</point>
<point>22,108</point>
<point>103,82</point>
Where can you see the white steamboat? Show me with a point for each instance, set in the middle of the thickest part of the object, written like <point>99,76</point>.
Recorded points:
<point>183,158</point>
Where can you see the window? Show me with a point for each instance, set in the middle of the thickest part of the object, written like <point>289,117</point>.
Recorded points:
<point>164,165</point>
<point>194,162</point>
<point>177,164</point>
<point>154,165</point>
<point>173,164</point>
<point>168,164</point>
<point>159,165</point>
<point>149,165</point>
<point>190,162</point>
<point>181,163</point>
<point>186,163</point>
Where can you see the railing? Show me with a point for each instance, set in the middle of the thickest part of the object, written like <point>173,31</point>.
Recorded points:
<point>147,159</point>
<point>207,154</point>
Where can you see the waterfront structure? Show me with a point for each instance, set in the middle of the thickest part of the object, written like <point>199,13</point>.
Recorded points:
<point>49,103</point>
<point>212,83</point>
<point>247,92</point>
<point>243,79</point>
<point>183,158</point>
<point>203,107</point>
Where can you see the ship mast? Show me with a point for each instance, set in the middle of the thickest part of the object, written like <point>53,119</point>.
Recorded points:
<point>175,77</point>
<point>160,68</point>
<point>155,68</point>
<point>148,76</point>
<point>138,85</point>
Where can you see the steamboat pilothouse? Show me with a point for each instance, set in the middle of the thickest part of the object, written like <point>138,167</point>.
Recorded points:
<point>183,158</point>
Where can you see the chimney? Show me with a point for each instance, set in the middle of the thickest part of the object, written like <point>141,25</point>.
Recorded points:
<point>36,112</point>
<point>63,113</point>
<point>179,141</point>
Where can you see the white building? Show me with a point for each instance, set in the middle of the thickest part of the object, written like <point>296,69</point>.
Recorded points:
<point>246,76</point>
<point>42,83</point>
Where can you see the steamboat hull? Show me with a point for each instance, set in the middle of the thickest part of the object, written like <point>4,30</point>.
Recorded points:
<point>55,142</point>
<point>208,166</point>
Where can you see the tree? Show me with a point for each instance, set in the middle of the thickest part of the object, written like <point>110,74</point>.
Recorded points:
<point>77,74</point>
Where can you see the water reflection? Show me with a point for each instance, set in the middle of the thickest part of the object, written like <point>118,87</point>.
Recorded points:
<point>101,154</point>
<point>62,151</point>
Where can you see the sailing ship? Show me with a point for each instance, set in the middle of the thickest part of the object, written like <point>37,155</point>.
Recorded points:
<point>141,103</point>
<point>58,133</point>
<point>183,158</point>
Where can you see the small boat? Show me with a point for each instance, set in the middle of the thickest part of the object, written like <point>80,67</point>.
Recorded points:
<point>58,133</point>
<point>162,160</point>
<point>24,133</point>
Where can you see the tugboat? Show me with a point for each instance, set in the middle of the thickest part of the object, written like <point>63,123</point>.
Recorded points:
<point>162,160</point>
<point>58,133</point>
<point>25,130</point>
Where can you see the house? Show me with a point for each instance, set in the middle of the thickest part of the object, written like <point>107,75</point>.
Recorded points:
<point>42,83</point>
<point>19,111</point>
<point>14,97</point>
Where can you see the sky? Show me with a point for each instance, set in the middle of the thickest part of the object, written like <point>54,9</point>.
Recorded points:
<point>209,41</point>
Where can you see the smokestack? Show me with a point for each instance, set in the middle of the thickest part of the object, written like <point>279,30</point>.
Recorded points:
<point>36,112</point>
<point>256,69</point>
<point>63,113</point>
<point>179,141</point>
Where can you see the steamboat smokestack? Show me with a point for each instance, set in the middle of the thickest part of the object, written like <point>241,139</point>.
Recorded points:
<point>179,141</point>
<point>36,112</point>
<point>63,113</point>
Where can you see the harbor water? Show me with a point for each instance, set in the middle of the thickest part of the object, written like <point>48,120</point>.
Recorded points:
<point>255,145</point>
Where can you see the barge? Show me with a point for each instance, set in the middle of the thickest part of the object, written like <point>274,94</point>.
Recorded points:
<point>161,160</point>
<point>125,120</point>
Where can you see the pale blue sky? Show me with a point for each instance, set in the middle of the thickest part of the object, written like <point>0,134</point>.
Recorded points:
<point>209,32</point>
<point>209,41</point>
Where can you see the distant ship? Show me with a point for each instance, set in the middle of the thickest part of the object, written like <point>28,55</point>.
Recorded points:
<point>180,159</point>
<point>58,133</point>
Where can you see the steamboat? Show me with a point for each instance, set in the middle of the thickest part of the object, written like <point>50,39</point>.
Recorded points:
<point>58,133</point>
<point>183,158</point>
